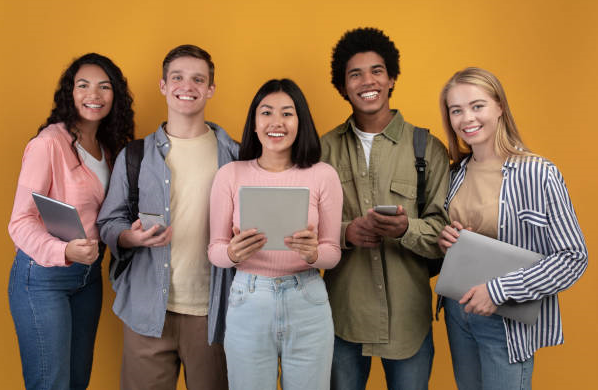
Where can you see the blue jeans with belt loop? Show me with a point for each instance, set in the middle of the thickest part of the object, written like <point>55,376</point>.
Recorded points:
<point>479,352</point>
<point>272,318</point>
<point>56,311</point>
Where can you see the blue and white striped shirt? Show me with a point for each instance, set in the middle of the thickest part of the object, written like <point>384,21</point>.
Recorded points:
<point>535,213</point>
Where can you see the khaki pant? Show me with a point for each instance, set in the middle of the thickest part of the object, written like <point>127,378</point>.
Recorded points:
<point>151,363</point>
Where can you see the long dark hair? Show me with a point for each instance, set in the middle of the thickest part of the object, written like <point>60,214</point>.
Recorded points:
<point>306,149</point>
<point>117,128</point>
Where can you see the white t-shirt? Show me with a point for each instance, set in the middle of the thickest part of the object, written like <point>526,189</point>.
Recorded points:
<point>99,167</point>
<point>366,141</point>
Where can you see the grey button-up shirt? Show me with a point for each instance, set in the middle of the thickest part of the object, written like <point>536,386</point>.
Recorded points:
<point>142,289</point>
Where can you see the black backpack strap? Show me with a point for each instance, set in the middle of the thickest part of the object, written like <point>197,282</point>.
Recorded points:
<point>133,157</point>
<point>420,138</point>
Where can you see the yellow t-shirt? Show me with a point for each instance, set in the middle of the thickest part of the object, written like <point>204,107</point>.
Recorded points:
<point>193,163</point>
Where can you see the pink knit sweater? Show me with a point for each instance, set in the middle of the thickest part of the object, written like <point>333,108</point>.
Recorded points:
<point>325,208</point>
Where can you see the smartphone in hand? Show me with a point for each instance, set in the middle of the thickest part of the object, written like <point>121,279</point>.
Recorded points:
<point>148,220</point>
<point>386,209</point>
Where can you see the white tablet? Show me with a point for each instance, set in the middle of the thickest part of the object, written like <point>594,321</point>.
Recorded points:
<point>61,219</point>
<point>278,212</point>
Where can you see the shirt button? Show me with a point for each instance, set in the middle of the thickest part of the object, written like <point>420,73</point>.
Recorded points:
<point>375,257</point>
<point>166,265</point>
<point>379,287</point>
<point>367,201</point>
<point>166,181</point>
<point>166,209</point>
<point>362,173</point>
<point>164,291</point>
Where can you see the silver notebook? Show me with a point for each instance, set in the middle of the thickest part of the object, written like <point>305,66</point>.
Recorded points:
<point>61,219</point>
<point>278,212</point>
<point>475,259</point>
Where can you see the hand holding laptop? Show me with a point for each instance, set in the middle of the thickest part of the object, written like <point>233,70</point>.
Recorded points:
<point>477,297</point>
<point>82,250</point>
<point>63,222</point>
<point>449,235</point>
<point>471,261</point>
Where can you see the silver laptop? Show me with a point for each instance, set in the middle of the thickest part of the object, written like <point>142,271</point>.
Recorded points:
<point>61,219</point>
<point>475,259</point>
<point>278,212</point>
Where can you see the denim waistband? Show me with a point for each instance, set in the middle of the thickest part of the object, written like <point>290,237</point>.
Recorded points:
<point>22,256</point>
<point>297,280</point>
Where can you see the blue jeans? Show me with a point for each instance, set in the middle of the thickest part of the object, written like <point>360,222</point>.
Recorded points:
<point>350,369</point>
<point>479,352</point>
<point>286,318</point>
<point>56,312</point>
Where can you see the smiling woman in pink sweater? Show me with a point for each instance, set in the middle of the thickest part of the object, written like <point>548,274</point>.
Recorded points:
<point>278,307</point>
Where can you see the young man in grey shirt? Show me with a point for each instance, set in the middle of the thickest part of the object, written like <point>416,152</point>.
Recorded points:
<point>172,302</point>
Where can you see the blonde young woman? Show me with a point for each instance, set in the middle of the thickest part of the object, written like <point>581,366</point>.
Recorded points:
<point>502,190</point>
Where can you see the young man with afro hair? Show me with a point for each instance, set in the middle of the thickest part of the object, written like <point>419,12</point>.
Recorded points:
<point>380,293</point>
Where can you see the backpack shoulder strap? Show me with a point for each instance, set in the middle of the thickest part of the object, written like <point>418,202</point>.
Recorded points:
<point>420,138</point>
<point>133,157</point>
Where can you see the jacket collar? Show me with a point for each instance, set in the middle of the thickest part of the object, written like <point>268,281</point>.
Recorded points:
<point>510,163</point>
<point>392,131</point>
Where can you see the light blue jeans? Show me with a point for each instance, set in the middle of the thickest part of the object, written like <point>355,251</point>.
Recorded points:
<point>56,311</point>
<point>479,352</point>
<point>350,369</point>
<point>286,318</point>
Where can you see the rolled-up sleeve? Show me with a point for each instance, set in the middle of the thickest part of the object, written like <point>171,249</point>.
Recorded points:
<point>422,233</point>
<point>567,258</point>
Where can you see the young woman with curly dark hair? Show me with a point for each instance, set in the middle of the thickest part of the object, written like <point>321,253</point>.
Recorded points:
<point>55,288</point>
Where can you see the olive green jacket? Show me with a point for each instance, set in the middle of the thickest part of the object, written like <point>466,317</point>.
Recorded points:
<point>381,297</point>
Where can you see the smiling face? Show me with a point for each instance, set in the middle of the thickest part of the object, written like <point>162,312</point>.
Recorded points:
<point>276,124</point>
<point>367,84</point>
<point>92,93</point>
<point>187,86</point>
<point>473,114</point>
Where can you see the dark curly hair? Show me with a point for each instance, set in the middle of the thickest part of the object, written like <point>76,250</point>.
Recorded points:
<point>361,40</point>
<point>117,128</point>
<point>306,149</point>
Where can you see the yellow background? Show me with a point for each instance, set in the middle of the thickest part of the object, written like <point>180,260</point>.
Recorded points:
<point>543,51</point>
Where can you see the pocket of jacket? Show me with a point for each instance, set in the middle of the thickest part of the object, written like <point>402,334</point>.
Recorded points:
<point>345,174</point>
<point>404,194</point>
<point>533,217</point>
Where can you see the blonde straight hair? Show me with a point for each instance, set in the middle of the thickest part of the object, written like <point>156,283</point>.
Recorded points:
<point>507,142</point>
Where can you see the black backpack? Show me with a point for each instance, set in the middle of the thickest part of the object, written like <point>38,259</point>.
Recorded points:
<point>133,157</point>
<point>420,138</point>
